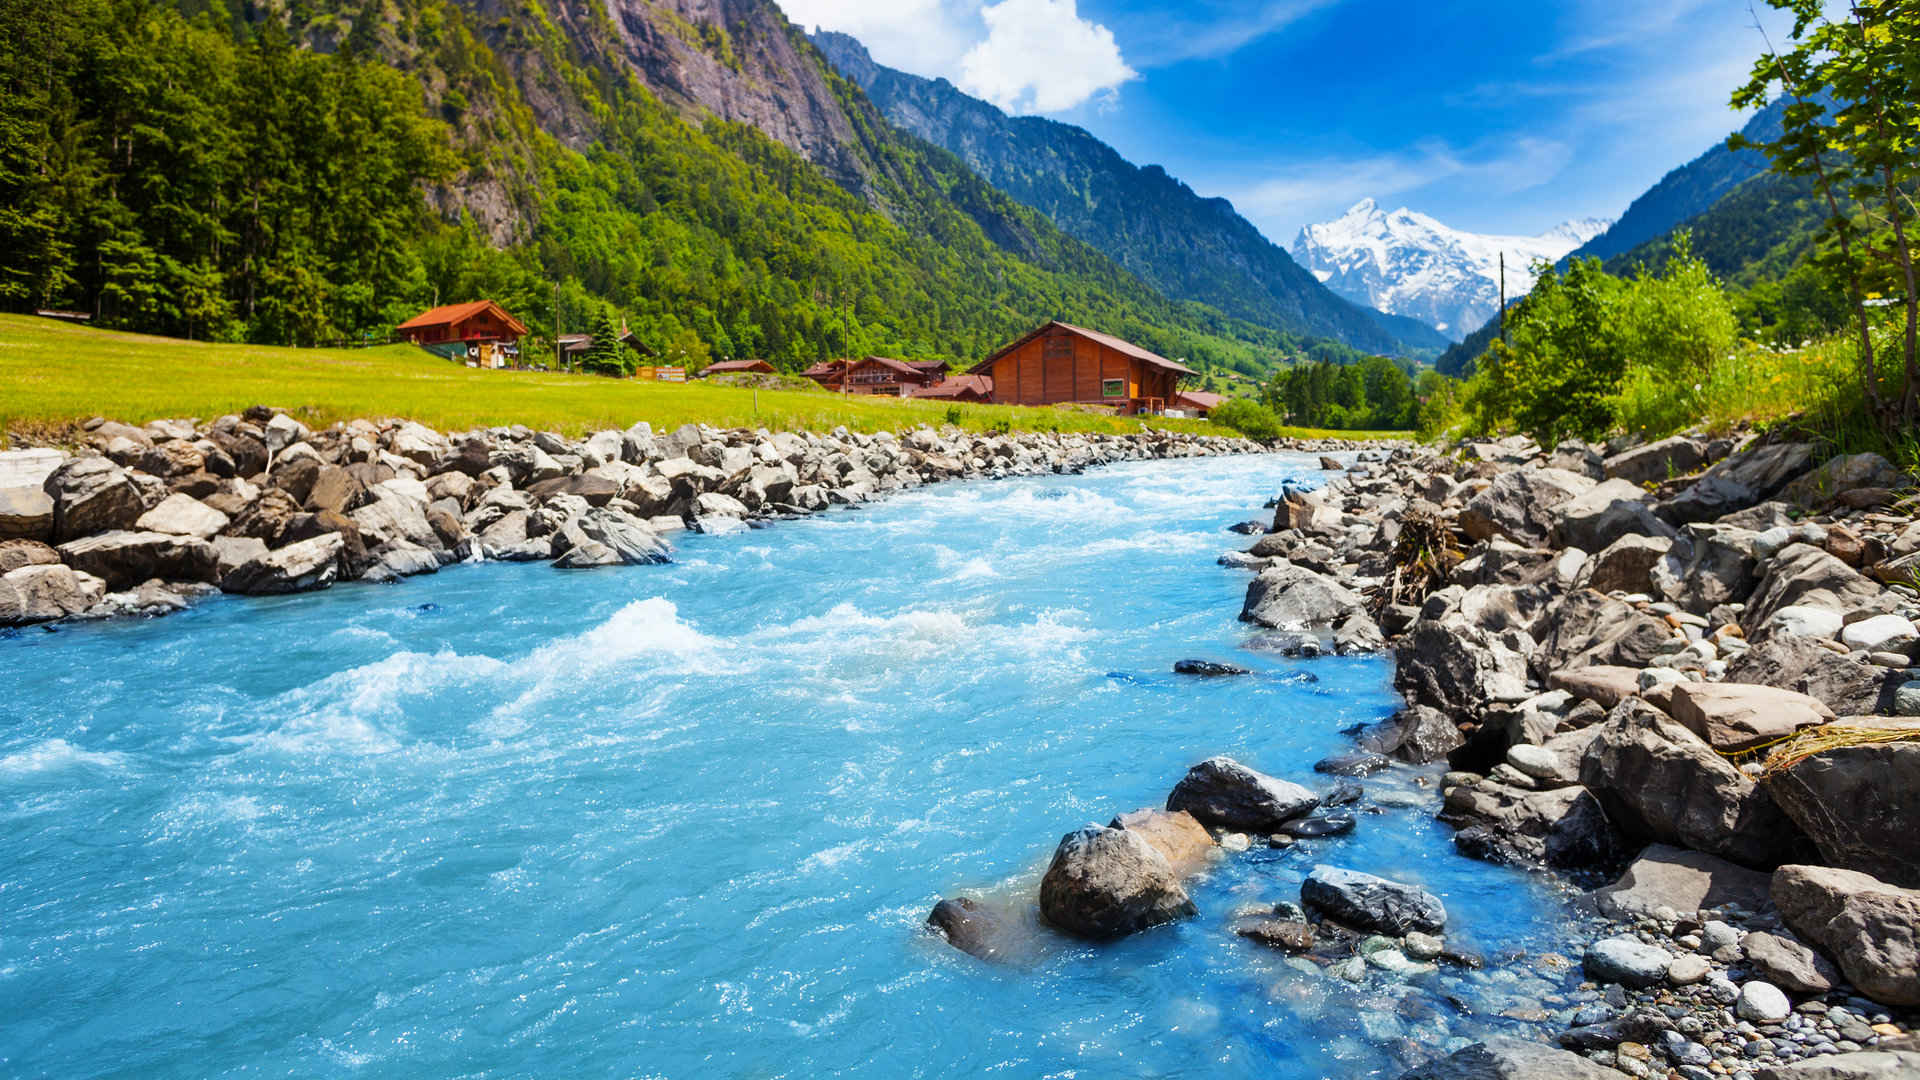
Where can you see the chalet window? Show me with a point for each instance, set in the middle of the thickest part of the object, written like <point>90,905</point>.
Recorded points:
<point>1113,388</point>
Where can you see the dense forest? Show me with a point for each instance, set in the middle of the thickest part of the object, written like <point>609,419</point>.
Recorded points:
<point>310,173</point>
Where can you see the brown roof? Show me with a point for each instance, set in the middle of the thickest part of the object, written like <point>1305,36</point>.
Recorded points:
<point>724,366</point>
<point>885,362</point>
<point>824,369</point>
<point>1201,399</point>
<point>1124,348</point>
<point>448,314</point>
<point>957,385</point>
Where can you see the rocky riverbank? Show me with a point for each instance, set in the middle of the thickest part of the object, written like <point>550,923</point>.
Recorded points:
<point>1681,674</point>
<point>147,520</point>
<point>1685,668</point>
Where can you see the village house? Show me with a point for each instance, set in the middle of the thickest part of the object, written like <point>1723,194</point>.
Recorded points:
<point>976,388</point>
<point>738,367</point>
<point>1062,364</point>
<point>479,332</point>
<point>879,375</point>
<point>1198,403</point>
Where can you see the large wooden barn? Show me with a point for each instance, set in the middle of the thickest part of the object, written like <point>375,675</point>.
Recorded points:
<point>1060,364</point>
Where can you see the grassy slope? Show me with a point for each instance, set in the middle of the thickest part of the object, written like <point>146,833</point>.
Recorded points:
<point>52,374</point>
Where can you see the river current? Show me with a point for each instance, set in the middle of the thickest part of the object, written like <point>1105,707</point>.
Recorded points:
<point>688,820</point>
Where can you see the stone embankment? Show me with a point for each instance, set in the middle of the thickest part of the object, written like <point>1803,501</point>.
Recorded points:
<point>145,520</point>
<point>1686,668</point>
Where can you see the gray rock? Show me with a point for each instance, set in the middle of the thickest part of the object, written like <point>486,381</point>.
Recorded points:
<point>1860,805</point>
<point>1683,881</point>
<point>300,567</point>
<point>1848,685</point>
<point>1656,462</point>
<point>606,537</point>
<point>182,515</point>
<point>1458,668</point>
<point>1563,827</point>
<point>92,494</point>
<point>1589,629</point>
<point>1860,1065</point>
<point>1870,928</point>
<point>1177,835</point>
<point>1599,518</point>
<point>1222,792</point>
<point>1762,1003</point>
<point>1737,717</point>
<point>1789,964</point>
<point>1365,902</point>
<point>1659,781</point>
<point>15,554</point>
<point>25,513</point>
<point>1519,505</point>
<point>1627,961</point>
<point>1106,883</point>
<point>1289,597</point>
<point>124,559</point>
<point>1841,474</point>
<point>1805,576</point>
<point>40,593</point>
<point>1512,1059</point>
<point>1688,969</point>
<point>1417,735</point>
<point>1740,480</point>
<point>1626,565</point>
<point>970,927</point>
<point>1708,565</point>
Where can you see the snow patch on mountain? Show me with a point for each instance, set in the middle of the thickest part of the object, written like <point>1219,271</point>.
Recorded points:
<point>1406,263</point>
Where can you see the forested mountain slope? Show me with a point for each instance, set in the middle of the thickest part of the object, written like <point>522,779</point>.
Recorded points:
<point>318,169</point>
<point>1189,247</point>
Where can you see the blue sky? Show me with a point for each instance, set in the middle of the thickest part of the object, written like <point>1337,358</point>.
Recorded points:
<point>1495,117</point>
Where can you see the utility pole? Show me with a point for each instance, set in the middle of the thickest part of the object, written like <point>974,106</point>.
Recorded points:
<point>1503,298</point>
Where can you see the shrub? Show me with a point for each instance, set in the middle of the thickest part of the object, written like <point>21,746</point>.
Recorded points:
<point>1246,417</point>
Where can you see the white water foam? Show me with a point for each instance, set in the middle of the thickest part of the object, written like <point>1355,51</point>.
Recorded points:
<point>53,755</point>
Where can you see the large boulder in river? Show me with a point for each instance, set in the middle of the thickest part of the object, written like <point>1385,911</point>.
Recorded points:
<point>1587,628</point>
<point>1737,717</point>
<point>608,537</point>
<point>41,592</point>
<point>970,926</point>
<point>92,494</point>
<point>1861,806</point>
<point>1220,791</point>
<point>1519,505</point>
<point>1658,781</point>
<point>1512,1059</point>
<point>1106,883</point>
<point>1870,928</point>
<point>1595,519</point>
<point>1740,480</point>
<point>300,567</point>
<point>124,559</point>
<point>1848,685</point>
<point>1417,735</point>
<point>1458,668</point>
<point>1375,904</point>
<point>1802,575</point>
<point>1289,597</point>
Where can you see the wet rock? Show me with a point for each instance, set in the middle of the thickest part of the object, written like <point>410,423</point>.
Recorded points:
<point>1222,792</point>
<point>300,567</point>
<point>40,593</point>
<point>1293,598</point>
<point>1365,902</point>
<point>1849,800</point>
<point>1684,881</point>
<point>1207,667</point>
<point>1869,927</point>
<point>1287,935</point>
<point>1627,961</point>
<point>1106,883</point>
<point>1734,717</point>
<point>970,927</point>
<point>1789,964</point>
<point>1563,828</point>
<point>25,513</point>
<point>1417,735</point>
<point>1659,781</point>
<point>1353,763</point>
<point>1512,1059</point>
<point>1180,838</point>
<point>1327,825</point>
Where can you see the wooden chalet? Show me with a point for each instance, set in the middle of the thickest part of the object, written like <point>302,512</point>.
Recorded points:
<point>880,375</point>
<point>977,388</point>
<point>1062,364</point>
<point>480,332</point>
<point>738,367</point>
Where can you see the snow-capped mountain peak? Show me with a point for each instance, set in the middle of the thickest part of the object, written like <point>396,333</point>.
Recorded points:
<point>1407,263</point>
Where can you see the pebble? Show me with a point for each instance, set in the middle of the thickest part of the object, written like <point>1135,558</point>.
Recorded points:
<point>1688,969</point>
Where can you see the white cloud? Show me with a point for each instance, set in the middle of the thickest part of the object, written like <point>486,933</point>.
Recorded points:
<point>1211,29</point>
<point>1041,56</point>
<point>1323,187</point>
<point>922,36</point>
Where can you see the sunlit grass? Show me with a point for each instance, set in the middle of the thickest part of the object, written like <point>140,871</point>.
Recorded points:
<point>53,374</point>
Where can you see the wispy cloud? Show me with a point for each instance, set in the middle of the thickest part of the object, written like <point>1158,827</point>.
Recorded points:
<point>1212,29</point>
<point>1501,167</point>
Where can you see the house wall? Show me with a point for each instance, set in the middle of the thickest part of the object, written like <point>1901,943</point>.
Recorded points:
<point>1060,367</point>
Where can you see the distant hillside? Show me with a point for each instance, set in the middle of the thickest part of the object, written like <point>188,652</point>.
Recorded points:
<point>1188,247</point>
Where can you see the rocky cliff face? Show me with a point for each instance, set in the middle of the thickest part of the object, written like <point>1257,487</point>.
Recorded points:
<point>1189,247</point>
